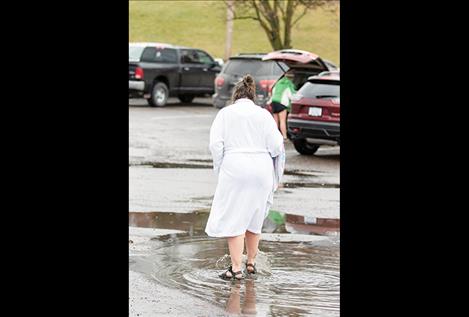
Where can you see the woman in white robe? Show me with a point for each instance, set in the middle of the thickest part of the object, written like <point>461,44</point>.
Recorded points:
<point>243,140</point>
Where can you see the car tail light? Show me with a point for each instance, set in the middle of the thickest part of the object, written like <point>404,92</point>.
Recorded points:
<point>267,84</point>
<point>139,73</point>
<point>219,81</point>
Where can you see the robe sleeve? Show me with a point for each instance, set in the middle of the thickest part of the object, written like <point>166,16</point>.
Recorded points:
<point>274,139</point>
<point>216,145</point>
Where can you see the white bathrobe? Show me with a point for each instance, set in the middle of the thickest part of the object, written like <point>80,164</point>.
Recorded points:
<point>243,140</point>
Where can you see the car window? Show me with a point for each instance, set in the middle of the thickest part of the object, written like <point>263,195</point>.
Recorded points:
<point>135,52</point>
<point>158,55</point>
<point>204,57</point>
<point>254,67</point>
<point>190,57</point>
<point>148,54</point>
<point>313,90</point>
<point>166,55</point>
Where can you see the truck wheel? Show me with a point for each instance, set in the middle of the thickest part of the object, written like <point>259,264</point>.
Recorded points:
<point>303,147</point>
<point>186,98</point>
<point>159,95</point>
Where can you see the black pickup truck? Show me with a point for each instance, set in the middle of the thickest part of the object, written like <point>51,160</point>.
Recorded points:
<point>158,71</point>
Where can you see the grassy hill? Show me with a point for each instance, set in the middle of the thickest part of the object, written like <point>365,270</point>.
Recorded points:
<point>201,24</point>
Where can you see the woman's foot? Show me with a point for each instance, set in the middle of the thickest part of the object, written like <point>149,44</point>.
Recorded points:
<point>251,268</point>
<point>230,274</point>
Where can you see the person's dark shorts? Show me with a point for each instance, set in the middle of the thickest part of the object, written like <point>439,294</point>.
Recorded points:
<point>277,107</point>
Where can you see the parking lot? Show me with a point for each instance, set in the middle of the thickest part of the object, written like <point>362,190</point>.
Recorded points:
<point>170,164</point>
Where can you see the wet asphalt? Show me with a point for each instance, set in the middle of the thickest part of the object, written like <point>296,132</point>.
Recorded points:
<point>170,164</point>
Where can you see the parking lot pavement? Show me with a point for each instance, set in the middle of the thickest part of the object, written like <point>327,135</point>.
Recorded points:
<point>170,164</point>
<point>179,133</point>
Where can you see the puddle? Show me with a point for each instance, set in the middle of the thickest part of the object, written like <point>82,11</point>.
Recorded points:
<point>299,173</point>
<point>170,165</point>
<point>194,222</point>
<point>309,185</point>
<point>311,173</point>
<point>296,277</point>
<point>201,160</point>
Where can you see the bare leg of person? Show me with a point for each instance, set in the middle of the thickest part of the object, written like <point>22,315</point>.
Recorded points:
<point>283,122</point>
<point>236,247</point>
<point>252,246</point>
<point>276,120</point>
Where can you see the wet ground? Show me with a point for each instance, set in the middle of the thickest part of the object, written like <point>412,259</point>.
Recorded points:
<point>171,259</point>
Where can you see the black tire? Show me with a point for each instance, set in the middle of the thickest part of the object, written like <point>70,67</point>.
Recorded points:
<point>305,148</point>
<point>159,95</point>
<point>186,98</point>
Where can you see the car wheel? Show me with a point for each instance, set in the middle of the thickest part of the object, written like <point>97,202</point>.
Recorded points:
<point>305,148</point>
<point>159,95</point>
<point>186,98</point>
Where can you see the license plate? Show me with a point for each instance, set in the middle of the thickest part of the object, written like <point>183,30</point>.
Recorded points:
<point>310,220</point>
<point>315,111</point>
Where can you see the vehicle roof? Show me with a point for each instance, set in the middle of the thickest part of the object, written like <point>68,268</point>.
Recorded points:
<point>329,75</point>
<point>294,55</point>
<point>144,44</point>
<point>249,56</point>
<point>158,44</point>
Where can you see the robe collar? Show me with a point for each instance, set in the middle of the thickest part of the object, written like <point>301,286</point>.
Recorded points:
<point>241,100</point>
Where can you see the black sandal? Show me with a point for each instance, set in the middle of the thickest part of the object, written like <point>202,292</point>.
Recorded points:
<point>254,270</point>
<point>233,274</point>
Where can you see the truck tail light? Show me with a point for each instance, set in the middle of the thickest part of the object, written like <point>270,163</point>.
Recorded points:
<point>267,84</point>
<point>138,73</point>
<point>219,81</point>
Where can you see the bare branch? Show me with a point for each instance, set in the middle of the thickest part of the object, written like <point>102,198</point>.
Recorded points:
<point>301,15</point>
<point>263,24</point>
<point>282,10</point>
<point>245,18</point>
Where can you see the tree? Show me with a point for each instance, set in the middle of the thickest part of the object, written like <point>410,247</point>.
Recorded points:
<point>278,17</point>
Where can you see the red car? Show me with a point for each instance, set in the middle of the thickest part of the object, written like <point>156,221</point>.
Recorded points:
<point>314,119</point>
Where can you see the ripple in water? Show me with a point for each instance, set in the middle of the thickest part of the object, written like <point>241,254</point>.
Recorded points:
<point>294,278</point>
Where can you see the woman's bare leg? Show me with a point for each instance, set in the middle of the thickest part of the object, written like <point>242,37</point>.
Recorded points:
<point>236,247</point>
<point>252,246</point>
<point>276,119</point>
<point>282,117</point>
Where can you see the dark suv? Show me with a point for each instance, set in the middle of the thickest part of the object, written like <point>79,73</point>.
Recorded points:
<point>265,74</point>
<point>314,119</point>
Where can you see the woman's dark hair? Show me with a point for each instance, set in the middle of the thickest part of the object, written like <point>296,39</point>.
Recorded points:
<point>245,88</point>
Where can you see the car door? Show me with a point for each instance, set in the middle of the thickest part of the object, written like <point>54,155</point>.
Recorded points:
<point>209,71</point>
<point>191,69</point>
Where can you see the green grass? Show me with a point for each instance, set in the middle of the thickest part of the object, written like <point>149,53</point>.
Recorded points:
<point>201,24</point>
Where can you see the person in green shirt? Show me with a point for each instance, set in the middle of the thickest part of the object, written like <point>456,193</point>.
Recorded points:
<point>281,94</point>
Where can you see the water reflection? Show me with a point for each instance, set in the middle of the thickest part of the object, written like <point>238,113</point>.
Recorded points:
<point>276,222</point>
<point>247,306</point>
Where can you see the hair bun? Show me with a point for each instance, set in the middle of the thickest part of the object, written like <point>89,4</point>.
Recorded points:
<point>248,80</point>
